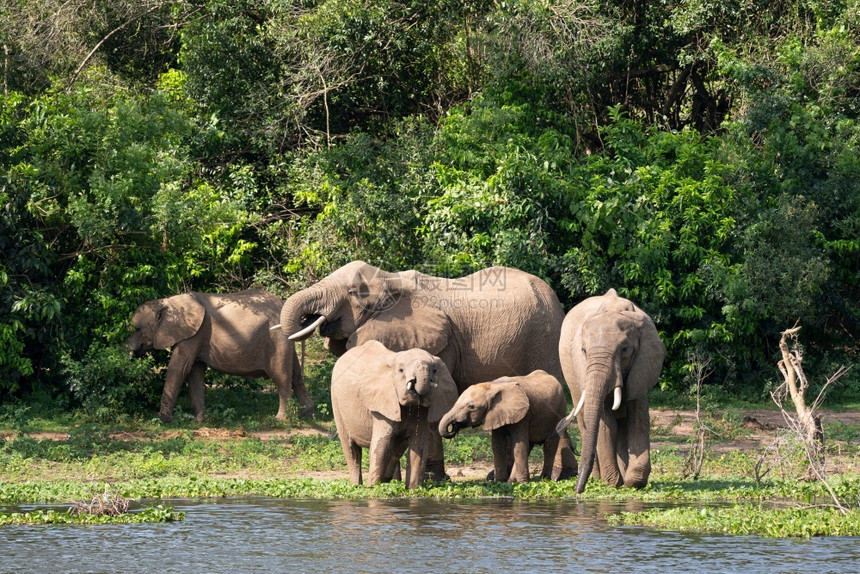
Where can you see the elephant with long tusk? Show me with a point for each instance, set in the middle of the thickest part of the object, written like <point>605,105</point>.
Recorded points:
<point>492,323</point>
<point>610,347</point>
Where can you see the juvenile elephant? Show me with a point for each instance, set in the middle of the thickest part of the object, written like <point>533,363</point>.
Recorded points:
<point>385,401</point>
<point>611,355</point>
<point>230,333</point>
<point>521,412</point>
<point>495,322</point>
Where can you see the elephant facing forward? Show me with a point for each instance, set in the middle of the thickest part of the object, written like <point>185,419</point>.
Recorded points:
<point>611,355</point>
<point>387,401</point>
<point>492,323</point>
<point>520,412</point>
<point>230,333</point>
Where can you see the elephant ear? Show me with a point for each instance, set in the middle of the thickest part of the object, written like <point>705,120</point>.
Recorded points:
<point>177,318</point>
<point>509,405</point>
<point>411,320</point>
<point>377,391</point>
<point>444,395</point>
<point>646,366</point>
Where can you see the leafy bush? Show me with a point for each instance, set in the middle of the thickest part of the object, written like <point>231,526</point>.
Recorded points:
<point>107,381</point>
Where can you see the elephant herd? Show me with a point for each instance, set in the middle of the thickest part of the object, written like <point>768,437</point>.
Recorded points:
<point>421,357</point>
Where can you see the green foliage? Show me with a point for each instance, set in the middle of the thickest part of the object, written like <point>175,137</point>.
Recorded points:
<point>700,157</point>
<point>504,179</point>
<point>368,194</point>
<point>158,513</point>
<point>107,381</point>
<point>747,519</point>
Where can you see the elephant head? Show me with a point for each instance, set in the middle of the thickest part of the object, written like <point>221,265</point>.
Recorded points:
<point>162,323</point>
<point>360,302</point>
<point>492,405</point>
<point>617,356</point>
<point>412,378</point>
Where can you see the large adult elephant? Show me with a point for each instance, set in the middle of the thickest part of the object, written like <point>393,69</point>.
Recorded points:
<point>230,333</point>
<point>496,322</point>
<point>611,355</point>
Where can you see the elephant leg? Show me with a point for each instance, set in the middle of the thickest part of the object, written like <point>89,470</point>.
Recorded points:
<point>501,456</point>
<point>520,451</point>
<point>606,453</point>
<point>639,444</point>
<point>551,451</point>
<point>300,391</point>
<point>564,463</point>
<point>435,465</point>
<point>177,369</point>
<point>196,390</point>
<point>392,471</point>
<point>381,448</point>
<point>417,455</point>
<point>351,451</point>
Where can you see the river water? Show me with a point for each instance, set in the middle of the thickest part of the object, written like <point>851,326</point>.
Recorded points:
<point>273,535</point>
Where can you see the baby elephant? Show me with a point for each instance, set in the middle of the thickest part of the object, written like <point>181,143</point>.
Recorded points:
<point>386,401</point>
<point>520,412</point>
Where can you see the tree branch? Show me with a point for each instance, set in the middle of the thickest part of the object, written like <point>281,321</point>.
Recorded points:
<point>106,38</point>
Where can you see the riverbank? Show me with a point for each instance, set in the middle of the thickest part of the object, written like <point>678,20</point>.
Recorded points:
<point>750,459</point>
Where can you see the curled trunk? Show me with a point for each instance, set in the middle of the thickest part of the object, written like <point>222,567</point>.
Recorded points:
<point>307,303</point>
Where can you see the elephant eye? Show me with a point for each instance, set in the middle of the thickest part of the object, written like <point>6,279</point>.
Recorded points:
<point>400,370</point>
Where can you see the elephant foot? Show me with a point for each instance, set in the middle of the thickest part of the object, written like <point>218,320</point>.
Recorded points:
<point>165,417</point>
<point>435,471</point>
<point>638,483</point>
<point>308,412</point>
<point>199,418</point>
<point>563,473</point>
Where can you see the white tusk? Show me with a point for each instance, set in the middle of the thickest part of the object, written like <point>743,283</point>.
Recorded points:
<point>275,328</point>
<point>578,406</point>
<point>433,385</point>
<point>616,401</point>
<point>307,330</point>
<point>410,385</point>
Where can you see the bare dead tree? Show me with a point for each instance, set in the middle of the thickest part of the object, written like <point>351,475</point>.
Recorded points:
<point>806,423</point>
<point>700,370</point>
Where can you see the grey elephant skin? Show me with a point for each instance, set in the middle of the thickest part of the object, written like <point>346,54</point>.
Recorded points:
<point>227,332</point>
<point>611,355</point>
<point>495,322</point>
<point>386,401</point>
<point>520,412</point>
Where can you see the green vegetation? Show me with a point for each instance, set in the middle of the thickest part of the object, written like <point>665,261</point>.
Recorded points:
<point>746,519</point>
<point>700,158</point>
<point>152,514</point>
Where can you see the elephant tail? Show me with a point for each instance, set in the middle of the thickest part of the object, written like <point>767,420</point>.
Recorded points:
<point>562,425</point>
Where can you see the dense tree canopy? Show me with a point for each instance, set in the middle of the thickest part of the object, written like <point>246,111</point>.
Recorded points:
<point>701,157</point>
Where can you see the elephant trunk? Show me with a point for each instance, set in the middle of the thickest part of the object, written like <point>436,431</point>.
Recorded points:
<point>602,376</point>
<point>299,308</point>
<point>421,382</point>
<point>448,427</point>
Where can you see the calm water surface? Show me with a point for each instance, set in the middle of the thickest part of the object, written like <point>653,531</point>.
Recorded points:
<point>268,535</point>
